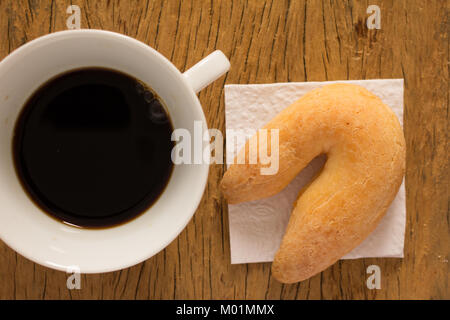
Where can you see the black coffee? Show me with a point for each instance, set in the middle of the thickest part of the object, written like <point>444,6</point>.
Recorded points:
<point>92,147</point>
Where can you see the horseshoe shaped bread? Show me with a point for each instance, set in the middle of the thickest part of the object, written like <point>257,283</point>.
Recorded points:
<point>365,146</point>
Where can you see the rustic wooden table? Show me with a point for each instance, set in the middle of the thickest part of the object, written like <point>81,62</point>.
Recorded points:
<point>271,41</point>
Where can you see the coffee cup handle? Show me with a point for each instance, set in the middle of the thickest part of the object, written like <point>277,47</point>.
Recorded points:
<point>207,70</point>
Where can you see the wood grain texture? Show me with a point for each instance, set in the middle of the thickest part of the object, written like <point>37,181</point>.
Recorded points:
<point>271,41</point>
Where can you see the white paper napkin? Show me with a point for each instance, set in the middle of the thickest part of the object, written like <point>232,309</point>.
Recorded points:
<point>257,227</point>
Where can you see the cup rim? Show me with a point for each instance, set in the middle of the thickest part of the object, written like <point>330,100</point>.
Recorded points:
<point>201,181</point>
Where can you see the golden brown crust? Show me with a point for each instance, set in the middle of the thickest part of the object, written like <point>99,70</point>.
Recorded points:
<point>342,206</point>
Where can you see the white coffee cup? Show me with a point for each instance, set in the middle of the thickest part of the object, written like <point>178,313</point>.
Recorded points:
<point>44,240</point>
